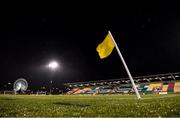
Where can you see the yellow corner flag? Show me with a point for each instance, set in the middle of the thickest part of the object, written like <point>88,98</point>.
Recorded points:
<point>106,47</point>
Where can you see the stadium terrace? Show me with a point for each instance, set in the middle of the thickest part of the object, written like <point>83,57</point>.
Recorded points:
<point>155,84</point>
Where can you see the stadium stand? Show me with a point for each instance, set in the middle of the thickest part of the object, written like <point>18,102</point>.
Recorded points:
<point>73,91</point>
<point>177,87</point>
<point>171,87</point>
<point>155,84</point>
<point>154,87</point>
<point>164,87</point>
<point>144,88</point>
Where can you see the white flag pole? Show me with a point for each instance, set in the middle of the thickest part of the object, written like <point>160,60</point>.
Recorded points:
<point>127,70</point>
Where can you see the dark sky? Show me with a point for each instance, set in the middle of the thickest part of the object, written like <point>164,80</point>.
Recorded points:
<point>148,35</point>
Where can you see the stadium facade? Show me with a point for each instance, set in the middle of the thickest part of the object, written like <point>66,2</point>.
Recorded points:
<point>157,84</point>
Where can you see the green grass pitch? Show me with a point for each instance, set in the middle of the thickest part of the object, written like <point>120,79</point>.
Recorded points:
<point>90,106</point>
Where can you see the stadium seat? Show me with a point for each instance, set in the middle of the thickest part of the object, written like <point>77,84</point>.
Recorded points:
<point>152,87</point>
<point>144,88</point>
<point>164,88</point>
<point>73,91</point>
<point>177,87</point>
<point>171,87</point>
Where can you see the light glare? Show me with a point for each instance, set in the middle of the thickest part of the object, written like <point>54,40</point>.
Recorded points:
<point>53,65</point>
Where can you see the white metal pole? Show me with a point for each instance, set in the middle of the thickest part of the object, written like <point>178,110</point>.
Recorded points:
<point>127,70</point>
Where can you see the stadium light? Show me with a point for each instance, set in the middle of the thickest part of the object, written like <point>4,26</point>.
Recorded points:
<point>53,65</point>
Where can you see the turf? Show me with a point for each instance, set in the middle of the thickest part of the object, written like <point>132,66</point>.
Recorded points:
<point>90,106</point>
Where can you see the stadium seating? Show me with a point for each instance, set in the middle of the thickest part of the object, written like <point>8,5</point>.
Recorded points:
<point>80,90</point>
<point>73,91</point>
<point>177,87</point>
<point>164,88</point>
<point>170,87</point>
<point>156,84</point>
<point>85,90</point>
<point>154,87</point>
<point>146,88</point>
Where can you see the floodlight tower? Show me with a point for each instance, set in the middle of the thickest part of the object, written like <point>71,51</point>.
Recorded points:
<point>53,65</point>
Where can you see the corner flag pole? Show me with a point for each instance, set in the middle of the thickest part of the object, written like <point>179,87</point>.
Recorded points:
<point>127,70</point>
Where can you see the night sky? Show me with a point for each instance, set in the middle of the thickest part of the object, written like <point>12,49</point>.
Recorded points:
<point>147,34</point>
